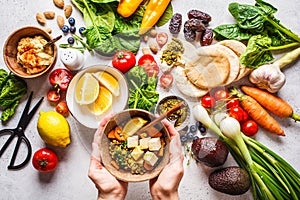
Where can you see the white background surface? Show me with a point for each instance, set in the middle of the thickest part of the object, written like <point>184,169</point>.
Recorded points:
<point>70,180</point>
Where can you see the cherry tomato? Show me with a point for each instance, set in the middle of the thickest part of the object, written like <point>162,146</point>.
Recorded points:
<point>44,160</point>
<point>123,60</point>
<point>166,80</point>
<point>249,127</point>
<point>221,94</point>
<point>162,38</point>
<point>62,108</point>
<point>148,62</point>
<point>233,102</point>
<point>208,101</point>
<point>53,96</point>
<point>238,113</point>
<point>60,78</point>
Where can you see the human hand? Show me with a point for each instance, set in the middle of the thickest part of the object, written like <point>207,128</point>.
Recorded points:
<point>165,186</point>
<point>108,186</point>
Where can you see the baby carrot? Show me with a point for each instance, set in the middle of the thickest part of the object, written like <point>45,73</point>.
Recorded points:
<point>258,113</point>
<point>274,104</point>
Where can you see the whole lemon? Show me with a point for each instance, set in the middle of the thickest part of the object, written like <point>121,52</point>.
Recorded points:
<point>53,128</point>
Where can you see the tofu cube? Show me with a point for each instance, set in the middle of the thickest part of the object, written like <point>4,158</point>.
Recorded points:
<point>150,158</point>
<point>133,141</point>
<point>154,144</point>
<point>144,143</point>
<point>137,153</point>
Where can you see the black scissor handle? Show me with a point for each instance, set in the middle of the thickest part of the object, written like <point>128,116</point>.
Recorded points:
<point>29,152</point>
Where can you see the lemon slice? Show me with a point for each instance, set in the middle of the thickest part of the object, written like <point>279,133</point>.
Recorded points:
<point>87,89</point>
<point>108,81</point>
<point>133,125</point>
<point>102,103</point>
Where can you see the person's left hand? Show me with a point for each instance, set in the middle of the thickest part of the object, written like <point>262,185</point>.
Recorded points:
<point>108,186</point>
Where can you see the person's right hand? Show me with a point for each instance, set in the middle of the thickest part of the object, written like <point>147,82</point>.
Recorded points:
<point>165,186</point>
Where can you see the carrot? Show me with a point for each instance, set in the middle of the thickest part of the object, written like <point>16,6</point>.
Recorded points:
<point>271,102</point>
<point>258,113</point>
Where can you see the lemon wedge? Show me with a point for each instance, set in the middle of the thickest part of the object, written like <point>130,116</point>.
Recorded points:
<point>102,103</point>
<point>133,125</point>
<point>87,89</point>
<point>108,81</point>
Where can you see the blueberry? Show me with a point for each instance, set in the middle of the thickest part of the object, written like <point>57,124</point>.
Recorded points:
<point>71,21</point>
<point>193,128</point>
<point>72,29</point>
<point>202,129</point>
<point>81,29</point>
<point>195,137</point>
<point>190,135</point>
<point>183,138</point>
<point>71,40</point>
<point>198,124</point>
<point>65,29</point>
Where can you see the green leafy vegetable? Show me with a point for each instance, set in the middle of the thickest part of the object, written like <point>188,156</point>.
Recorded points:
<point>143,94</point>
<point>257,25</point>
<point>12,89</point>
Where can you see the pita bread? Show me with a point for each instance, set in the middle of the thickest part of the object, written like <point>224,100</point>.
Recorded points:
<point>209,69</point>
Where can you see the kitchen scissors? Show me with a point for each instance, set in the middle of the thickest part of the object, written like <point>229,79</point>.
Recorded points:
<point>19,132</point>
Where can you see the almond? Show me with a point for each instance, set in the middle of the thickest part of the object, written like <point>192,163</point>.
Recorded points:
<point>68,11</point>
<point>49,14</point>
<point>59,3</point>
<point>40,18</point>
<point>60,21</point>
<point>48,30</point>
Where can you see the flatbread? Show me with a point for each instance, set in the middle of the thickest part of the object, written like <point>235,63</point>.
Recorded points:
<point>209,69</point>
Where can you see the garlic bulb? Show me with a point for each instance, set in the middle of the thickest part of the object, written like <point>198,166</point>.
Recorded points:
<point>268,77</point>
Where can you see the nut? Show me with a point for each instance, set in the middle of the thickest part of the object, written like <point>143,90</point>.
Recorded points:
<point>49,14</point>
<point>48,30</point>
<point>60,21</point>
<point>153,47</point>
<point>146,50</point>
<point>153,33</point>
<point>40,18</point>
<point>68,11</point>
<point>59,3</point>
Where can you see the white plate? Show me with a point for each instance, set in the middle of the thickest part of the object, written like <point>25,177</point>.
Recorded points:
<point>81,113</point>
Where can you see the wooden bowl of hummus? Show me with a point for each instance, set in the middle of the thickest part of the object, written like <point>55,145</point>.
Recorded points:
<point>25,53</point>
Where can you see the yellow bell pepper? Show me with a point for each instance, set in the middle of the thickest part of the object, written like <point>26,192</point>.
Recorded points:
<point>155,9</point>
<point>127,7</point>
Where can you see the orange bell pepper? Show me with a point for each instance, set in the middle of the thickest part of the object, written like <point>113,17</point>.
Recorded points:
<point>127,7</point>
<point>155,9</point>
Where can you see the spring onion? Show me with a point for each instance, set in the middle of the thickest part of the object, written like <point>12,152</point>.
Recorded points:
<point>271,176</point>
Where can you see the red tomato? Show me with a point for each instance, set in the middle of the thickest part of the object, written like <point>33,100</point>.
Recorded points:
<point>123,60</point>
<point>60,78</point>
<point>148,62</point>
<point>221,94</point>
<point>162,38</point>
<point>53,96</point>
<point>249,127</point>
<point>166,80</point>
<point>233,102</point>
<point>62,108</point>
<point>238,113</point>
<point>44,160</point>
<point>208,101</point>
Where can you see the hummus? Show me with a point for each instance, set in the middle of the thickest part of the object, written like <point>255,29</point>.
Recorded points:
<point>32,54</point>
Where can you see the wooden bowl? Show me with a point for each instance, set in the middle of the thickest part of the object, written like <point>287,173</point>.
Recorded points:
<point>10,50</point>
<point>120,119</point>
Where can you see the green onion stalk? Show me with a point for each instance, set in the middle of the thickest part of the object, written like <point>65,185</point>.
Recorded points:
<point>270,175</point>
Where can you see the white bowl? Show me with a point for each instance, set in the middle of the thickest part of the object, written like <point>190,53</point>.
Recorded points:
<point>81,112</point>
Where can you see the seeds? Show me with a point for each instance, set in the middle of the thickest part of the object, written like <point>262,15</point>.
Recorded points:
<point>60,21</point>
<point>68,11</point>
<point>49,14</point>
<point>41,19</point>
<point>87,89</point>
<point>59,3</point>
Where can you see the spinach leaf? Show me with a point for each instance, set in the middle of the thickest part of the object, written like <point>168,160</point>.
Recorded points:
<point>231,32</point>
<point>9,111</point>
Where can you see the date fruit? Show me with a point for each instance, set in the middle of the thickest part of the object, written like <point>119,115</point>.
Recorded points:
<point>196,24</point>
<point>206,37</point>
<point>175,23</point>
<point>197,14</point>
<point>189,34</point>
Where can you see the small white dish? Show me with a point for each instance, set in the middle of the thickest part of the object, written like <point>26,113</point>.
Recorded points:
<point>81,112</point>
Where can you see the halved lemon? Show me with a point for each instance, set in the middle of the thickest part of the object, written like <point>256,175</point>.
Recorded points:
<point>108,81</point>
<point>87,89</point>
<point>133,125</point>
<point>102,103</point>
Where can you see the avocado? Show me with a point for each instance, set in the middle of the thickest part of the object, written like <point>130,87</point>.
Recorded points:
<point>230,180</point>
<point>210,151</point>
